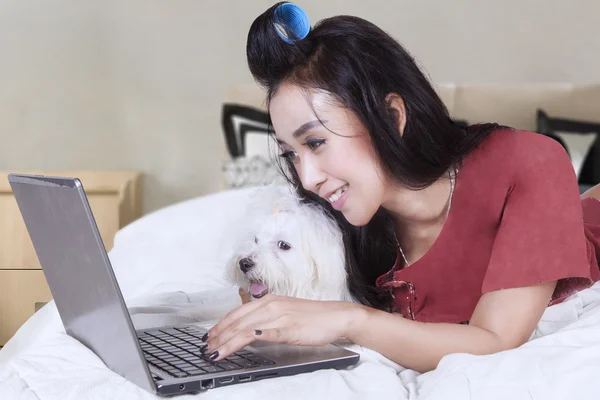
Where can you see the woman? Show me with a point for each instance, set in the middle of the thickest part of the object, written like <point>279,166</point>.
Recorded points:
<point>485,223</point>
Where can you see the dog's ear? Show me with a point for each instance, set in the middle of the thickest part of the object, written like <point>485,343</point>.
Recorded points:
<point>322,242</point>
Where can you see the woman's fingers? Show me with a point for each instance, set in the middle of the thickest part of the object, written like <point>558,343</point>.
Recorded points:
<point>232,316</point>
<point>241,323</point>
<point>243,338</point>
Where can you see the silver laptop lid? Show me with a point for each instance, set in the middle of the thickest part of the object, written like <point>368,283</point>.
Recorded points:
<point>72,255</point>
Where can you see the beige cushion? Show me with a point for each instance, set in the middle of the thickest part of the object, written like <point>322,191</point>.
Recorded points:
<point>512,105</point>
<point>508,104</point>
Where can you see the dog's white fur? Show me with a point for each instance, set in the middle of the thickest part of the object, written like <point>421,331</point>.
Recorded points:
<point>313,267</point>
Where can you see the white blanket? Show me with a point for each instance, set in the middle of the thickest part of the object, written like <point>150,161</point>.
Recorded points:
<point>169,266</point>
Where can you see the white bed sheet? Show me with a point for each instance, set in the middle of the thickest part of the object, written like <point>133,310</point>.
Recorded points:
<point>171,261</point>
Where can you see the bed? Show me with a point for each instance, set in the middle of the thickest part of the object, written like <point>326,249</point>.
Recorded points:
<point>171,262</point>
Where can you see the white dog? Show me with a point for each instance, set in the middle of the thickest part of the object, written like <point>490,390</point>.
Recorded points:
<point>289,249</point>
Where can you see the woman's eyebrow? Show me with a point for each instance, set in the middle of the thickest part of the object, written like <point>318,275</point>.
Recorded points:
<point>303,129</point>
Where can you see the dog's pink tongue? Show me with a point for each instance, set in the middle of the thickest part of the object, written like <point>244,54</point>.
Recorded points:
<point>258,289</point>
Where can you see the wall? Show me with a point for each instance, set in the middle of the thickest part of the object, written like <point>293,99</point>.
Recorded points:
<point>137,84</point>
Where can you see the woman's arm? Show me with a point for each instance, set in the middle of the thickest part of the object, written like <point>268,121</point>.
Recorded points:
<point>502,320</point>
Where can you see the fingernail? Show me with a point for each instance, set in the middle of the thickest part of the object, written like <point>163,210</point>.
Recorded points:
<point>203,348</point>
<point>258,332</point>
<point>213,355</point>
<point>205,337</point>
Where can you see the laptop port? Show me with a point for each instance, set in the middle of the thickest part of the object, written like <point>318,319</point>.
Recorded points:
<point>245,378</point>
<point>181,387</point>
<point>226,380</point>
<point>265,376</point>
<point>207,384</point>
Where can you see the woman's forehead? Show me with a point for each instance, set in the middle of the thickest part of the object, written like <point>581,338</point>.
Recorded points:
<point>291,107</point>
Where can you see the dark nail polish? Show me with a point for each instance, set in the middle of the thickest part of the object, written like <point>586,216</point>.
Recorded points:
<point>258,332</point>
<point>205,337</point>
<point>203,348</point>
<point>213,355</point>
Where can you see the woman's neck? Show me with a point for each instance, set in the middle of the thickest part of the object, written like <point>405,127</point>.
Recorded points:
<point>419,215</point>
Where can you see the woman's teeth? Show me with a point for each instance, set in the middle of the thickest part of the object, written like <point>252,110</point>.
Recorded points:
<point>338,193</point>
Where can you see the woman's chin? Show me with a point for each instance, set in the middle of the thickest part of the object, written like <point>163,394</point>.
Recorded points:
<point>355,219</point>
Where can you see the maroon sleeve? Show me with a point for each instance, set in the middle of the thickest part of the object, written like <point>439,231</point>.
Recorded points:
<point>540,236</point>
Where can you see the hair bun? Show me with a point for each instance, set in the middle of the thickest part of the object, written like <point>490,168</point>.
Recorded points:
<point>278,41</point>
<point>291,22</point>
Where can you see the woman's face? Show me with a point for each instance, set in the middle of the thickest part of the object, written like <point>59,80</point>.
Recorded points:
<point>334,159</point>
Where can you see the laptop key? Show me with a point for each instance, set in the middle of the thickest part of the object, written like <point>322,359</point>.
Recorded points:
<point>180,374</point>
<point>212,368</point>
<point>197,335</point>
<point>197,371</point>
<point>201,364</point>
<point>195,332</point>
<point>188,368</point>
<point>172,371</point>
<point>242,362</point>
<point>185,329</point>
<point>170,331</point>
<point>228,366</point>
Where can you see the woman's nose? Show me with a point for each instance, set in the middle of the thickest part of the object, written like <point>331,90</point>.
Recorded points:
<point>311,176</point>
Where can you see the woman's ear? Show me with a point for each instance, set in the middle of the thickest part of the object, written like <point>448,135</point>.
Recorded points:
<point>395,105</point>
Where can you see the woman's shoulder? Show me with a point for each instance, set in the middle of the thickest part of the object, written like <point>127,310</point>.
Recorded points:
<point>517,150</point>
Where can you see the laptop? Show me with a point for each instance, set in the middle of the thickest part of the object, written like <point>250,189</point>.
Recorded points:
<point>163,360</point>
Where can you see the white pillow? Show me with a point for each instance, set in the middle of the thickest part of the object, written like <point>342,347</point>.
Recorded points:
<point>182,247</point>
<point>578,145</point>
<point>257,170</point>
<point>257,167</point>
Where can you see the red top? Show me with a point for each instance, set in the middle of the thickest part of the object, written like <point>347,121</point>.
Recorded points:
<point>515,221</point>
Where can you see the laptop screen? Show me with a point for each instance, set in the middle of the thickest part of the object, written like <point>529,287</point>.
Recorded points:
<point>70,250</point>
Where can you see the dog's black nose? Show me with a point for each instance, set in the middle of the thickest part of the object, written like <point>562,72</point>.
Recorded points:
<point>246,264</point>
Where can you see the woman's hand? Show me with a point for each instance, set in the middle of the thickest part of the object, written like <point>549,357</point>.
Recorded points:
<point>281,319</point>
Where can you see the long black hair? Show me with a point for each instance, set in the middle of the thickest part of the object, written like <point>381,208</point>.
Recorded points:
<point>359,64</point>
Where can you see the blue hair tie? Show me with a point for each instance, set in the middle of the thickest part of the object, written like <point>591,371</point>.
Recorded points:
<point>291,22</point>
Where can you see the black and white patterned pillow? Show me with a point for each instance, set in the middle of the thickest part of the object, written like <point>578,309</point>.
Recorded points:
<point>237,121</point>
<point>250,144</point>
<point>580,140</point>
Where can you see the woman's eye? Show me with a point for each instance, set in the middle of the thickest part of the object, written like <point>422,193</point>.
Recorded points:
<point>283,245</point>
<point>314,143</point>
<point>289,155</point>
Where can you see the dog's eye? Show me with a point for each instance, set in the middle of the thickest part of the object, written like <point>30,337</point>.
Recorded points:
<point>283,245</point>
<point>255,240</point>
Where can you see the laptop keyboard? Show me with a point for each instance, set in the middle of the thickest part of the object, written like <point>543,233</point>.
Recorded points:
<point>177,351</point>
